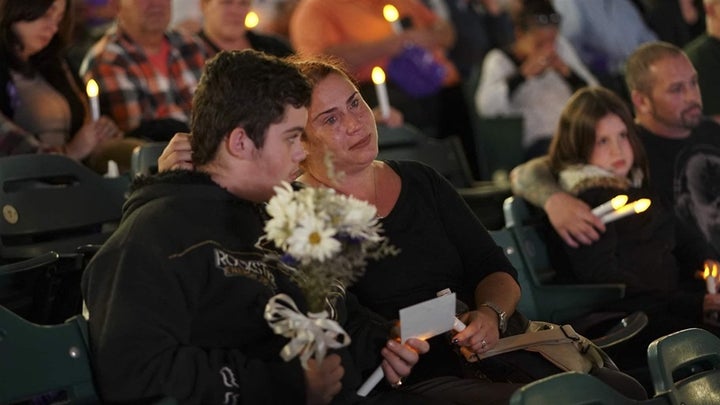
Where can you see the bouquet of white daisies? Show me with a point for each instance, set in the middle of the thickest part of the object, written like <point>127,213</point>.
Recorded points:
<point>324,240</point>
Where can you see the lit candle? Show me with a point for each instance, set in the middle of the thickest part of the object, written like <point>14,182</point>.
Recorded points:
<point>377,375</point>
<point>615,203</point>
<point>710,275</point>
<point>635,207</point>
<point>92,92</point>
<point>251,20</point>
<point>392,16</point>
<point>378,77</point>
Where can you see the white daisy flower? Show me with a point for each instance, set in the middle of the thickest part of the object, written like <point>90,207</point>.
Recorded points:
<point>284,213</point>
<point>313,240</point>
<point>360,220</point>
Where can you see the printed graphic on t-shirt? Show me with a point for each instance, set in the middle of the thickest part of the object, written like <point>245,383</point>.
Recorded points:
<point>234,264</point>
<point>246,265</point>
<point>229,381</point>
<point>697,190</point>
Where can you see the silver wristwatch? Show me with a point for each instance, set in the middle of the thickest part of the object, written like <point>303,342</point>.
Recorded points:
<point>502,316</point>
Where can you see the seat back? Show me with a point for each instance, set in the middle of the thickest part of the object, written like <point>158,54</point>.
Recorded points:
<point>51,362</point>
<point>556,302</point>
<point>144,159</point>
<point>541,298</point>
<point>569,388</point>
<point>528,304</point>
<point>404,135</point>
<point>499,144</point>
<point>518,211</point>
<point>445,155</point>
<point>485,199</point>
<point>51,202</point>
<point>685,366</point>
<point>534,250</point>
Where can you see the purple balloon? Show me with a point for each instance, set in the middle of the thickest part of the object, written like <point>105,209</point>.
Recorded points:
<point>416,71</point>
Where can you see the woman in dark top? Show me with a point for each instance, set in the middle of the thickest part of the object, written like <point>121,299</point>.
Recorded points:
<point>442,244</point>
<point>42,103</point>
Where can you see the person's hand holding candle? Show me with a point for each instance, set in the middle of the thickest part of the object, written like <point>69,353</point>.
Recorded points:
<point>635,207</point>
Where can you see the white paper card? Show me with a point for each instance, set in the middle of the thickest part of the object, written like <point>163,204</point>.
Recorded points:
<point>428,318</point>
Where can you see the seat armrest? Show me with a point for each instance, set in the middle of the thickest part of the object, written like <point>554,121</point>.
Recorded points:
<point>29,264</point>
<point>585,298</point>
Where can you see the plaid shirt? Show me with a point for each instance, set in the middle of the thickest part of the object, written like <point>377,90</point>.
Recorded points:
<point>131,90</point>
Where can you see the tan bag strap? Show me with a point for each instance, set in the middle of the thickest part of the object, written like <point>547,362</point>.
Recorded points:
<point>550,334</point>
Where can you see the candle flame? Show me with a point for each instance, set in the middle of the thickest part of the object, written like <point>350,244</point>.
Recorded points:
<point>424,336</point>
<point>641,205</point>
<point>390,13</point>
<point>711,269</point>
<point>92,88</point>
<point>252,20</point>
<point>378,75</point>
<point>618,201</point>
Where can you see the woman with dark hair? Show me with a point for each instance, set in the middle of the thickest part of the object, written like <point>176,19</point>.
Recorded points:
<point>42,103</point>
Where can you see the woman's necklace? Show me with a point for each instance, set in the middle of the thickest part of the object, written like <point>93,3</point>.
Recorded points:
<point>376,203</point>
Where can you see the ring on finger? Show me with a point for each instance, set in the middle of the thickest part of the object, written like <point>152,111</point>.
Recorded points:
<point>398,384</point>
<point>483,343</point>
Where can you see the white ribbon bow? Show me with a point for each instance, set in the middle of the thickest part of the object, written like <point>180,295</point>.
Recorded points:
<point>309,336</point>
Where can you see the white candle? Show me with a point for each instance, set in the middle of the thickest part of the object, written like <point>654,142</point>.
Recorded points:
<point>92,92</point>
<point>635,207</point>
<point>113,170</point>
<point>371,382</point>
<point>615,203</point>
<point>392,16</point>
<point>378,77</point>
<point>378,374</point>
<point>710,275</point>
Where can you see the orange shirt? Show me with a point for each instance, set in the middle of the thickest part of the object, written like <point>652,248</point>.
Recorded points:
<point>319,24</point>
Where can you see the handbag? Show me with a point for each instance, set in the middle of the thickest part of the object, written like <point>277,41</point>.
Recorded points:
<point>558,344</point>
<point>541,350</point>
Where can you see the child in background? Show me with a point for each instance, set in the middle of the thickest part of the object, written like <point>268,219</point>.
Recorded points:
<point>596,155</point>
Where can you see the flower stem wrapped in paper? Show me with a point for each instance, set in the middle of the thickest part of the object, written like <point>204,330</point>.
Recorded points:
<point>324,241</point>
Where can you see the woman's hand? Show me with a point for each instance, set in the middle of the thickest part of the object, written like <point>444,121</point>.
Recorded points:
<point>89,136</point>
<point>711,303</point>
<point>536,63</point>
<point>177,155</point>
<point>399,359</point>
<point>481,332</point>
<point>556,62</point>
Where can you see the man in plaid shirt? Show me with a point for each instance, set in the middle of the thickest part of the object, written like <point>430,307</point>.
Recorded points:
<point>146,74</point>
